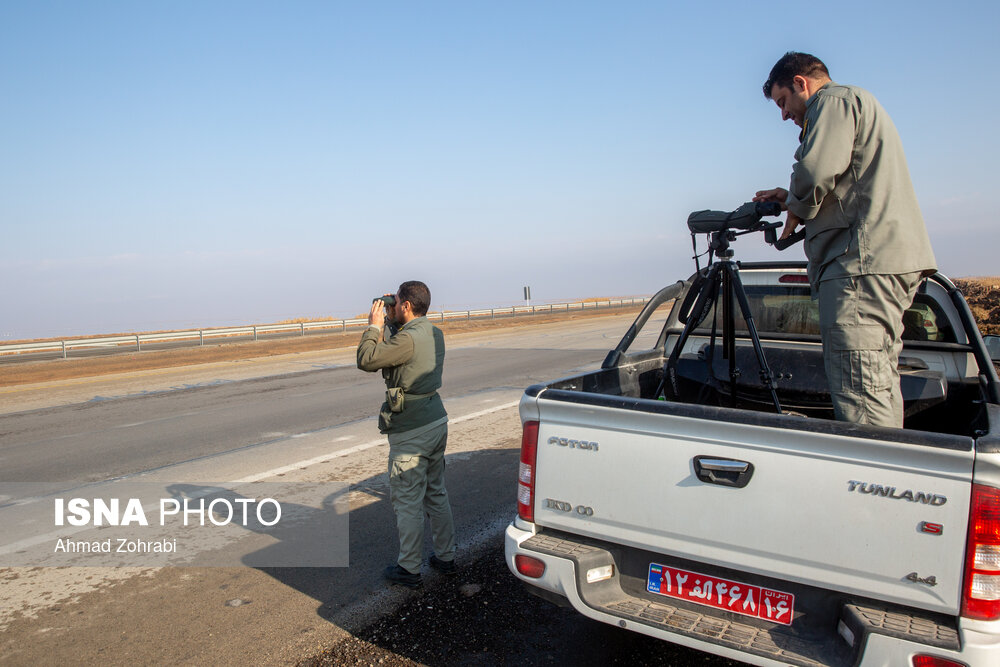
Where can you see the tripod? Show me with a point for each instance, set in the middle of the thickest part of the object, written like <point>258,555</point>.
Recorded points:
<point>719,277</point>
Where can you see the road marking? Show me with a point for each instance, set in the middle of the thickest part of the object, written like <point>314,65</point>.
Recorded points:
<point>161,419</point>
<point>38,539</point>
<point>359,448</point>
<point>31,541</point>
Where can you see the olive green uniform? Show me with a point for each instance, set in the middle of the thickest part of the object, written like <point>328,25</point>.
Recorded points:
<point>411,361</point>
<point>866,243</point>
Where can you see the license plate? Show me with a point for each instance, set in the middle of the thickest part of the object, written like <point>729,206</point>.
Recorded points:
<point>724,594</point>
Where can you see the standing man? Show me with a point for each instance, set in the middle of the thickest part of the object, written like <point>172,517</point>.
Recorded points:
<point>866,242</point>
<point>411,359</point>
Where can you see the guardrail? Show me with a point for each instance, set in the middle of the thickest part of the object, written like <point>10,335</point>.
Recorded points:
<point>137,340</point>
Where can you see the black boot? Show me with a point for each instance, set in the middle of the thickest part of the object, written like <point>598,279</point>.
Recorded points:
<point>443,566</point>
<point>400,575</point>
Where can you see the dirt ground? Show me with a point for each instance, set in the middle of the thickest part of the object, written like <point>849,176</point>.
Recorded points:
<point>125,362</point>
<point>484,616</point>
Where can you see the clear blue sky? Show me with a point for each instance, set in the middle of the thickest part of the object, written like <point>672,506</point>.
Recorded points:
<point>181,164</point>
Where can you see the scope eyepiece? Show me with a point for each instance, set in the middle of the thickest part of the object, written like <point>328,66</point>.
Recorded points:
<point>745,217</point>
<point>768,208</point>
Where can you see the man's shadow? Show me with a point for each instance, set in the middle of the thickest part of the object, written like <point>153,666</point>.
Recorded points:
<point>482,491</point>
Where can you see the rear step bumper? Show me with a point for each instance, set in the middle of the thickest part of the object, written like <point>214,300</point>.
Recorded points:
<point>830,629</point>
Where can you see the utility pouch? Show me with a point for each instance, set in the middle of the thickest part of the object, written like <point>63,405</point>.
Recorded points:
<point>394,397</point>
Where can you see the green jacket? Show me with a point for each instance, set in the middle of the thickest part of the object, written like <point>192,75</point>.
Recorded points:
<point>851,186</point>
<point>413,360</point>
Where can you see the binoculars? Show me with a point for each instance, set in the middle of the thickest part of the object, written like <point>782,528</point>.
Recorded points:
<point>389,301</point>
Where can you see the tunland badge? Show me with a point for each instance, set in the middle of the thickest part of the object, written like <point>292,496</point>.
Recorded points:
<point>573,444</point>
<point>890,492</point>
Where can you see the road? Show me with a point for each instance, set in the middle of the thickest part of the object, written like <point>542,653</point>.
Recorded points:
<point>303,417</point>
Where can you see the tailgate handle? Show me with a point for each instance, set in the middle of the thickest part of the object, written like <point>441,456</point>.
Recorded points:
<point>724,472</point>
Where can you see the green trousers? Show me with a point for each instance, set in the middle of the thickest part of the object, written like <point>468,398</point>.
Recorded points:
<point>861,324</point>
<point>416,484</point>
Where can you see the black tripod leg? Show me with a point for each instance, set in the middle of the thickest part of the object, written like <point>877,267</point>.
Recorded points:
<point>729,331</point>
<point>766,376</point>
<point>703,304</point>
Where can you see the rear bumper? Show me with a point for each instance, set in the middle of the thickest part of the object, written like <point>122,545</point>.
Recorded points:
<point>879,636</point>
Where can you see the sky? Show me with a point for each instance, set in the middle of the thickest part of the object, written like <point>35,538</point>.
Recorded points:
<point>190,164</point>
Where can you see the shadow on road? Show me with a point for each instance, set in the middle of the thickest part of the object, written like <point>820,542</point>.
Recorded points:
<point>481,488</point>
<point>480,616</point>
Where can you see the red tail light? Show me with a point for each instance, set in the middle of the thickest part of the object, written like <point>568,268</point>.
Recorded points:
<point>981,593</point>
<point>529,566</point>
<point>794,278</point>
<point>925,660</point>
<point>526,473</point>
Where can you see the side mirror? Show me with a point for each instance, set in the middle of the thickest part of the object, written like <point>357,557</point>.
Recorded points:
<point>993,347</point>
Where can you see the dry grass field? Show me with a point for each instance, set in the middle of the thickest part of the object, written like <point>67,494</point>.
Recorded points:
<point>983,295</point>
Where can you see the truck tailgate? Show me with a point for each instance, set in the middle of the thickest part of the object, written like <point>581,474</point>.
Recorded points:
<point>887,518</point>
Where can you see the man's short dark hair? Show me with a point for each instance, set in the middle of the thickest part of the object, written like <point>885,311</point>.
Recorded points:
<point>417,294</point>
<point>791,65</point>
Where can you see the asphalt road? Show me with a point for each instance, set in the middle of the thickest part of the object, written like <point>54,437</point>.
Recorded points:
<point>304,418</point>
<point>110,437</point>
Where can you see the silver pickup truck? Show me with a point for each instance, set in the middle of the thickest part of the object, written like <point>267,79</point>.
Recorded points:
<point>702,516</point>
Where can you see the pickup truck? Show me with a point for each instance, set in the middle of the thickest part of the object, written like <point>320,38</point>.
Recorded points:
<point>692,511</point>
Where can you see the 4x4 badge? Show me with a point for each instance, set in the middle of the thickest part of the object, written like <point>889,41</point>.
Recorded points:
<point>915,578</point>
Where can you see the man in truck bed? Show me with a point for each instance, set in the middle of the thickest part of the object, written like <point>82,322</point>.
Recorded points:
<point>865,237</point>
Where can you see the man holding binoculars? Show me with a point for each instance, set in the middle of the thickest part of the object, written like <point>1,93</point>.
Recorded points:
<point>410,355</point>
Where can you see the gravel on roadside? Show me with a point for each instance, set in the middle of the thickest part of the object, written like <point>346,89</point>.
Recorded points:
<point>483,616</point>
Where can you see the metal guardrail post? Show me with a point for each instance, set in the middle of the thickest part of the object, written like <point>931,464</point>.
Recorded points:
<point>255,334</point>
<point>302,329</point>
<point>201,338</point>
<point>64,348</point>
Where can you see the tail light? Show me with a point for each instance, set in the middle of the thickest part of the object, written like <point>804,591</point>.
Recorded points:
<point>981,594</point>
<point>927,660</point>
<point>529,566</point>
<point>526,472</point>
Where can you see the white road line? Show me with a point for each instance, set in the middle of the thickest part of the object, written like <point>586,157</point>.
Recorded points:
<point>358,448</point>
<point>38,539</point>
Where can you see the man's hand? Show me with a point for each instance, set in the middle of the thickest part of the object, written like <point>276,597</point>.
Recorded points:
<point>791,222</point>
<point>780,195</point>
<point>777,194</point>
<point>377,315</point>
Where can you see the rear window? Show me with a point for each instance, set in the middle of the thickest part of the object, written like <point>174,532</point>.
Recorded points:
<point>791,310</point>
